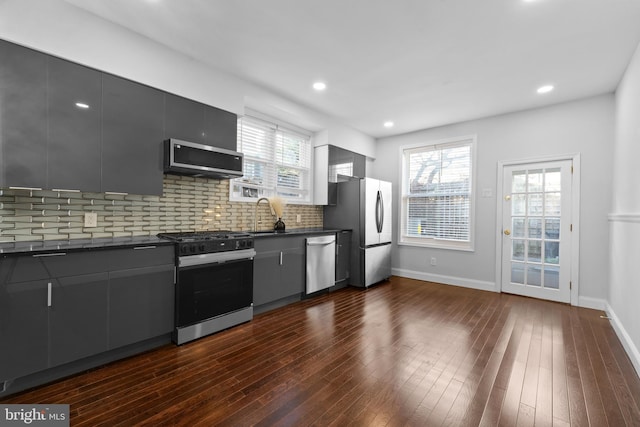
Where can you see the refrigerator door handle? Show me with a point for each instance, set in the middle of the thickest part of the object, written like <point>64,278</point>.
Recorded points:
<point>379,217</point>
<point>381,211</point>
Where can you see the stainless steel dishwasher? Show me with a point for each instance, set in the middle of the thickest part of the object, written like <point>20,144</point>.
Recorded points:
<point>321,263</point>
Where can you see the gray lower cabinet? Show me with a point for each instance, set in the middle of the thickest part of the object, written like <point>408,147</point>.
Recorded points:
<point>60,308</point>
<point>24,326</point>
<point>278,268</point>
<point>141,302</point>
<point>77,317</point>
<point>343,257</point>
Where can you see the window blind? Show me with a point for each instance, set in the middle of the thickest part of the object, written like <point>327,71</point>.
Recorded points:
<point>277,162</point>
<point>437,196</point>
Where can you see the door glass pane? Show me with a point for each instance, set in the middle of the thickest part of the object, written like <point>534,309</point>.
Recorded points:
<point>535,181</point>
<point>518,204</point>
<point>552,228</point>
<point>552,180</point>
<point>552,252</point>
<point>535,205</point>
<point>535,227</point>
<point>519,182</point>
<point>518,250</point>
<point>518,227</point>
<point>552,204</point>
<point>517,272</point>
<point>533,275</point>
<point>534,251</point>
<point>551,277</point>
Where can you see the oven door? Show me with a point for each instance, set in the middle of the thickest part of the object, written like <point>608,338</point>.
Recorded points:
<point>211,285</point>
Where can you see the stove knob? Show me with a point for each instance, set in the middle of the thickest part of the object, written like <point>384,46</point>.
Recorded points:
<point>192,248</point>
<point>242,243</point>
<point>201,247</point>
<point>183,249</point>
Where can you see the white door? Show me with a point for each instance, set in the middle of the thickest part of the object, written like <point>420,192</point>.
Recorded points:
<point>536,241</point>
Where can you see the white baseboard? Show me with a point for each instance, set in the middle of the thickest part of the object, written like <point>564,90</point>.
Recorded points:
<point>625,339</point>
<point>447,280</point>
<point>594,303</point>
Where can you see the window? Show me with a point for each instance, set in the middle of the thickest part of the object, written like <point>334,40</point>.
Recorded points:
<point>277,162</point>
<point>437,194</point>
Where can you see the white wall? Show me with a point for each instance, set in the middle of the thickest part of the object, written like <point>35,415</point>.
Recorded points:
<point>584,127</point>
<point>59,28</point>
<point>624,282</point>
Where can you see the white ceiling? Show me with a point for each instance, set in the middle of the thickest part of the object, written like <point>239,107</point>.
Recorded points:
<point>419,63</point>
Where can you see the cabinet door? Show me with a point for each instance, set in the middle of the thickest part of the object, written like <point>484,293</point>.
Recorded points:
<point>78,317</point>
<point>293,271</point>
<point>266,276</point>
<point>184,119</point>
<point>141,304</point>
<point>343,257</point>
<point>220,128</point>
<point>23,326</point>
<point>132,137</point>
<point>23,117</point>
<point>74,131</point>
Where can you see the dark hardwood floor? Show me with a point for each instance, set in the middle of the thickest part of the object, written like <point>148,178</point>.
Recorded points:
<point>401,353</point>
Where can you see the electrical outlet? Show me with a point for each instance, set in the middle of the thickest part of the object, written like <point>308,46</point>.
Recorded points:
<point>90,219</point>
<point>434,261</point>
<point>298,218</point>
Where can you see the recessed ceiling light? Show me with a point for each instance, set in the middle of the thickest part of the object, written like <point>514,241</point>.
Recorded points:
<point>319,86</point>
<point>82,105</point>
<point>388,124</point>
<point>545,89</point>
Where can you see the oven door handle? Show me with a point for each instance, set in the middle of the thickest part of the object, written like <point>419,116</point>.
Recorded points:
<point>216,258</point>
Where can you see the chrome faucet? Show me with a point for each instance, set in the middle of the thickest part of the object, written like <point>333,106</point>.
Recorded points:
<point>255,212</point>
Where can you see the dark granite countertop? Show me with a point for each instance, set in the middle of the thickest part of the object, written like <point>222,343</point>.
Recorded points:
<point>296,232</point>
<point>76,245</point>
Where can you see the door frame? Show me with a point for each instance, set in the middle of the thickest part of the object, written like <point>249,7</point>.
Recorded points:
<point>574,273</point>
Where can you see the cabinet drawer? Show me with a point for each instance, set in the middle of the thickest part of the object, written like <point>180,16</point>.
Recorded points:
<point>138,257</point>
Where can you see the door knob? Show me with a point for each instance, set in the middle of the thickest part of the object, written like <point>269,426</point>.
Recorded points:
<point>507,197</point>
<point>507,232</point>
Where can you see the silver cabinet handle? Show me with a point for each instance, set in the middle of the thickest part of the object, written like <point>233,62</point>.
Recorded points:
<point>49,294</point>
<point>137,248</point>
<point>47,255</point>
<point>280,258</point>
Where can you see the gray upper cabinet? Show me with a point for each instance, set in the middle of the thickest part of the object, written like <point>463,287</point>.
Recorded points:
<point>66,126</point>
<point>196,122</point>
<point>74,105</point>
<point>132,134</point>
<point>184,119</point>
<point>23,116</point>
<point>220,128</point>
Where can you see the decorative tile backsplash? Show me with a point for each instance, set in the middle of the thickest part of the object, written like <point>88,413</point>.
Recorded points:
<point>187,204</point>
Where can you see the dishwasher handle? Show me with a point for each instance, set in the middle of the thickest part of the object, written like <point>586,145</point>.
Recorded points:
<point>320,243</point>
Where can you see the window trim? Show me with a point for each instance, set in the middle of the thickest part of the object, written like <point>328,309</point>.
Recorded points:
<point>290,129</point>
<point>430,242</point>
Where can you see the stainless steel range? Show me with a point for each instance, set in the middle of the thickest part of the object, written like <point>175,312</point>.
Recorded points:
<point>214,282</point>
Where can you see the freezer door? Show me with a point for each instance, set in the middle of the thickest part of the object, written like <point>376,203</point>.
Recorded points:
<point>376,264</point>
<point>385,231</point>
<point>370,193</point>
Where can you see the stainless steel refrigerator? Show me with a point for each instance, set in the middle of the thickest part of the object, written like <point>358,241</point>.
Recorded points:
<point>364,206</point>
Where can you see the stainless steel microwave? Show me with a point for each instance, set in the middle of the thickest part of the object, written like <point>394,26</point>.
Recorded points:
<point>190,158</point>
